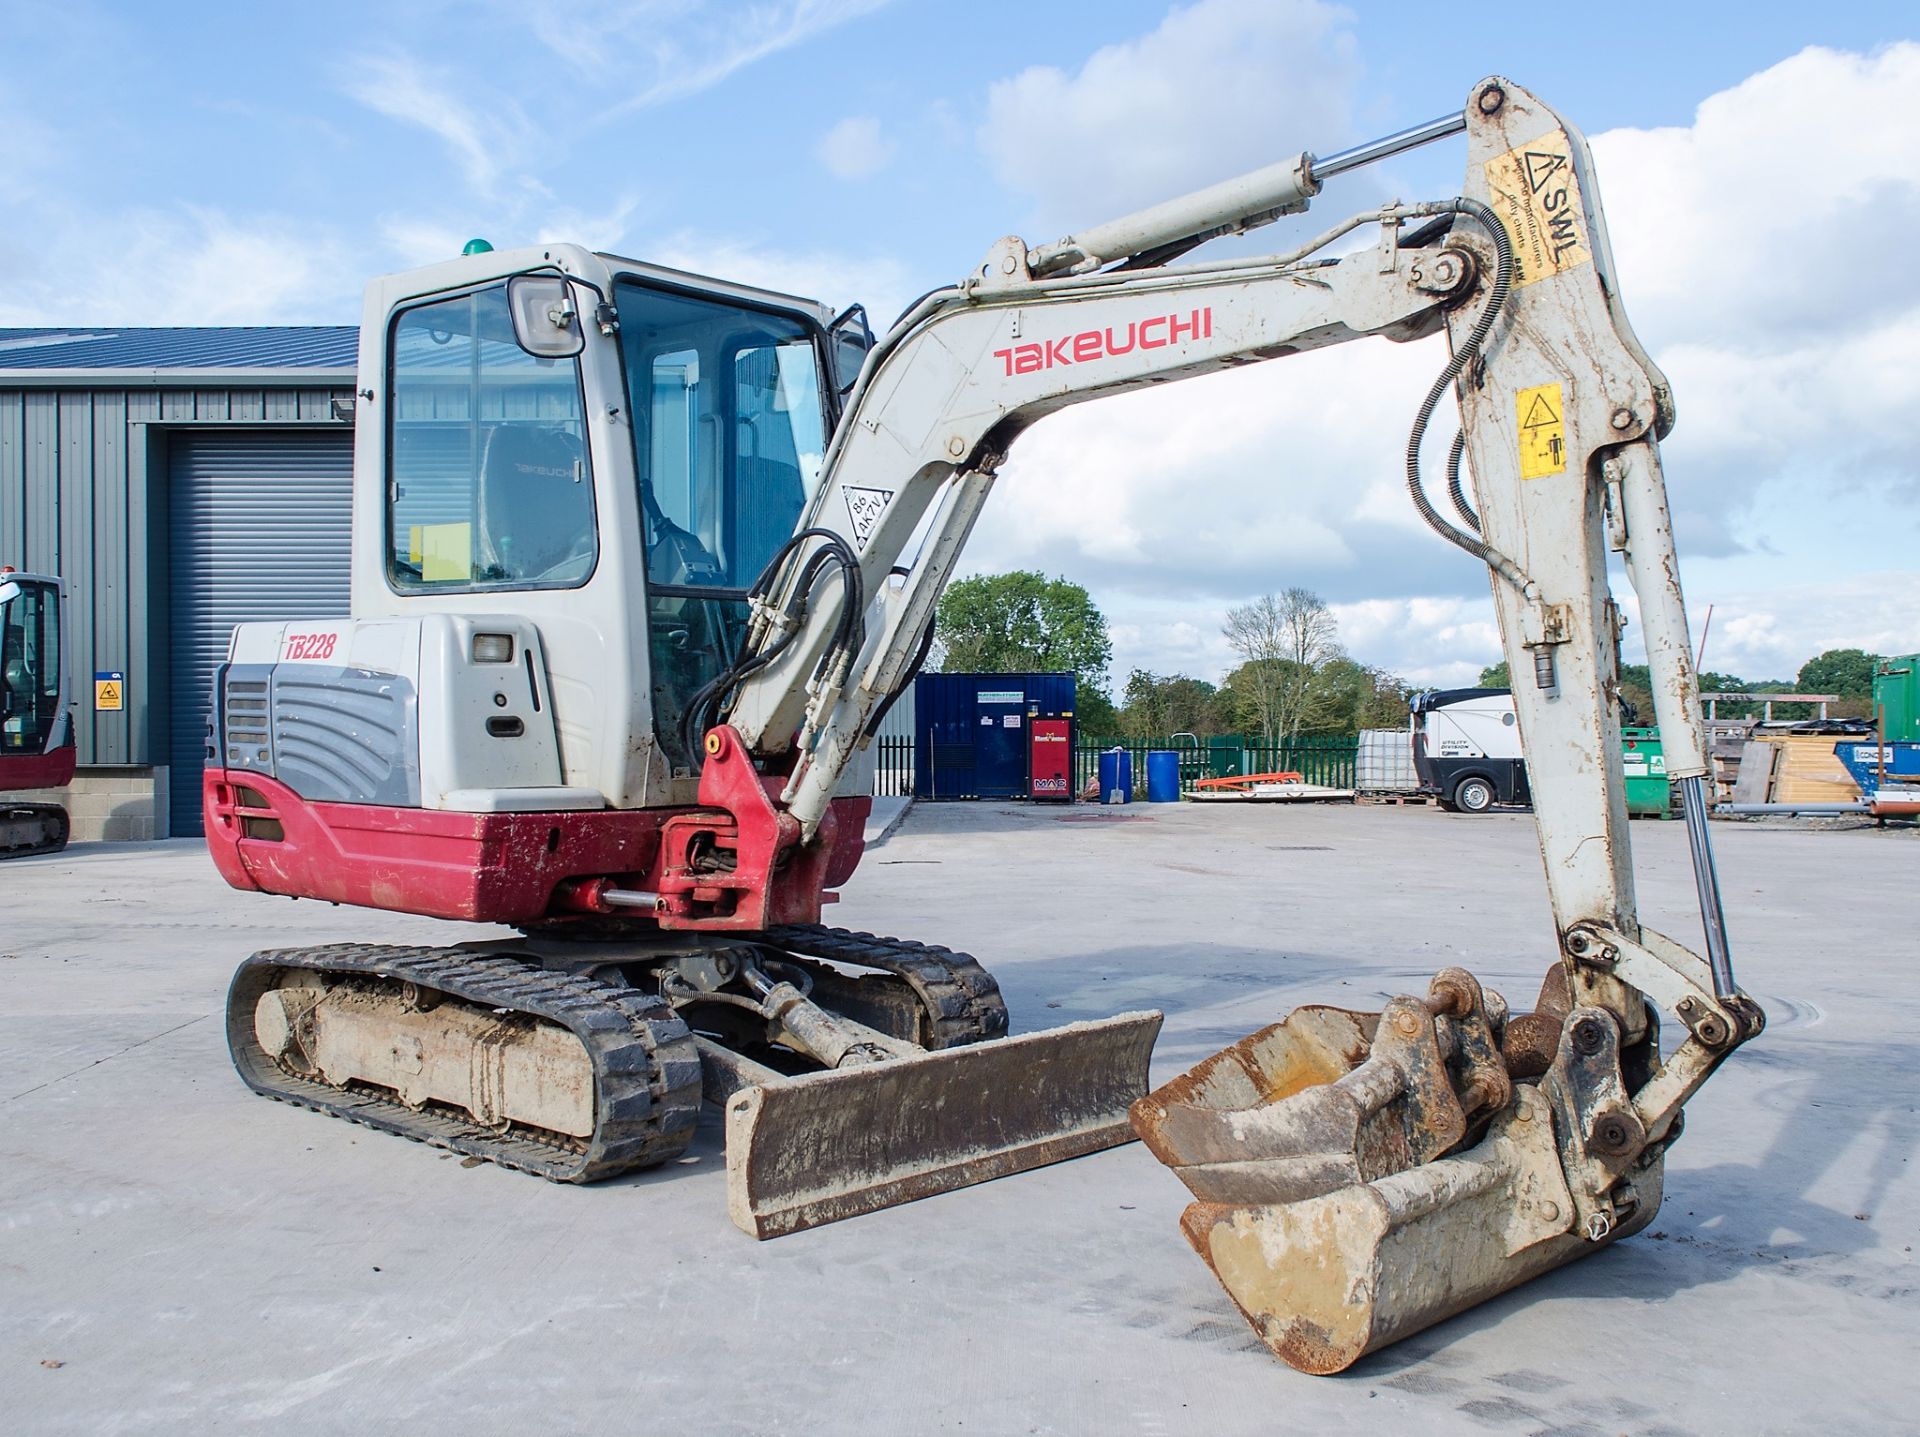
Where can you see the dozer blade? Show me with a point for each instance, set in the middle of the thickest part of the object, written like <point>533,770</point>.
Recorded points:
<point>823,1146</point>
<point>1363,1176</point>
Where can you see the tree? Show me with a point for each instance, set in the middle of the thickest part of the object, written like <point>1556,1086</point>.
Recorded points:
<point>1095,716</point>
<point>1496,676</point>
<point>1023,622</point>
<point>1158,705</point>
<point>1847,672</point>
<point>1283,641</point>
<point>1347,696</point>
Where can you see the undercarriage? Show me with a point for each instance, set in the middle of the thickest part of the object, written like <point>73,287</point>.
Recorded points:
<point>30,828</point>
<point>847,1062</point>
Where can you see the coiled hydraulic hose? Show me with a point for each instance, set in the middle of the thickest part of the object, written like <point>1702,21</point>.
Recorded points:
<point>1456,365</point>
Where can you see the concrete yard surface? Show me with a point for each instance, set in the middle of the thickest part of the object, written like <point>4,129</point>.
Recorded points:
<point>178,1255</point>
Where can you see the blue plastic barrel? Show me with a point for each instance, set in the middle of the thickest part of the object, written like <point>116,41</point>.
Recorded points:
<point>1116,776</point>
<point>1163,776</point>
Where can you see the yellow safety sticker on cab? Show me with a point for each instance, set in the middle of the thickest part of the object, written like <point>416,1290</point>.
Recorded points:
<point>1543,431</point>
<point>1536,193</point>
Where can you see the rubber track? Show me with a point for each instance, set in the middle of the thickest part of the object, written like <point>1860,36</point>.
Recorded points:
<point>961,1000</point>
<point>646,1066</point>
<point>52,813</point>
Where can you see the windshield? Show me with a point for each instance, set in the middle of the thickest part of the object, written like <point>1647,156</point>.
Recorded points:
<point>490,485</point>
<point>729,430</point>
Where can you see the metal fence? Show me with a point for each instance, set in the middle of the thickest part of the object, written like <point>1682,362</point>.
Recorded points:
<point>1328,761</point>
<point>893,766</point>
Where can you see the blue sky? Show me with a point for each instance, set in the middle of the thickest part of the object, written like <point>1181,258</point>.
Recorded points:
<point>225,163</point>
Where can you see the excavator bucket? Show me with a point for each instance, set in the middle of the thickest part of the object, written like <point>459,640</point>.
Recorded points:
<point>822,1146</point>
<point>1361,1176</point>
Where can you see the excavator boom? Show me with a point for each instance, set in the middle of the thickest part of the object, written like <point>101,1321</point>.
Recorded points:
<point>1361,1176</point>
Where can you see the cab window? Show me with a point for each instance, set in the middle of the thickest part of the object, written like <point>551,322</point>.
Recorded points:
<point>489,484</point>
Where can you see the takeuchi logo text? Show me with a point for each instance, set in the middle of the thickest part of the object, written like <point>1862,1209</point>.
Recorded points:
<point>1092,344</point>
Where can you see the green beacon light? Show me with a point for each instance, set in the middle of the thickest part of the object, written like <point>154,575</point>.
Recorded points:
<point>477,246</point>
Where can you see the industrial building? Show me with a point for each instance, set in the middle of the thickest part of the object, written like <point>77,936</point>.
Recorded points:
<point>181,481</point>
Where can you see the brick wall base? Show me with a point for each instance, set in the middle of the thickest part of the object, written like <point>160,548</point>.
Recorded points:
<point>110,804</point>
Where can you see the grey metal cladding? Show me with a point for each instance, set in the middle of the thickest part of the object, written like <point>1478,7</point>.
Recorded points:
<point>344,735</point>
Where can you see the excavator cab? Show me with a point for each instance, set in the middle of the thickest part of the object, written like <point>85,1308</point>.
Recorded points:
<point>36,732</point>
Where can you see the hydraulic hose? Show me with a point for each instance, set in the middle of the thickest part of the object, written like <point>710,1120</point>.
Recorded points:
<point>1454,490</point>
<point>1455,367</point>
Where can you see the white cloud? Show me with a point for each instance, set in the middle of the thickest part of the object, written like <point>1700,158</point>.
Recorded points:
<point>855,148</point>
<point>684,46</point>
<point>1221,87</point>
<point>485,143</point>
<point>189,265</point>
<point>1748,251</point>
<point>1769,633</point>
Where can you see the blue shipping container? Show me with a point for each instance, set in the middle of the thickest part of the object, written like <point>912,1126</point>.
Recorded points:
<point>970,736</point>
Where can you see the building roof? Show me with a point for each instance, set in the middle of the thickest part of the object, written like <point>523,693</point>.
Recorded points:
<point>319,346</point>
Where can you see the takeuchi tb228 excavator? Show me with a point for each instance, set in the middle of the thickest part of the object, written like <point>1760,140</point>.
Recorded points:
<point>641,558</point>
<point>36,728</point>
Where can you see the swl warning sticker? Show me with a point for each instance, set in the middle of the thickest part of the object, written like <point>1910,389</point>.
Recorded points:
<point>1536,193</point>
<point>1543,431</point>
<point>864,508</point>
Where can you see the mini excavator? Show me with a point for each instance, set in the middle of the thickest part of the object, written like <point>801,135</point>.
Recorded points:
<point>36,728</point>
<point>640,559</point>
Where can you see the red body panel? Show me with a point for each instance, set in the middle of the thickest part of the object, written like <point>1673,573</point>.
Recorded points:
<point>525,868</point>
<point>38,770</point>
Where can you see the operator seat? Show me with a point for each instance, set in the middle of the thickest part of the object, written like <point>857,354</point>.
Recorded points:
<point>536,503</point>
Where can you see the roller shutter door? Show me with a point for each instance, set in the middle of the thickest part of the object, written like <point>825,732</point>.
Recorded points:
<point>258,528</point>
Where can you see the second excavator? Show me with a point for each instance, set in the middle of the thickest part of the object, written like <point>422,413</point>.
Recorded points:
<point>640,559</point>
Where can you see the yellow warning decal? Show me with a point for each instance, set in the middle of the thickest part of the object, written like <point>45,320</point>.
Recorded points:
<point>108,696</point>
<point>1536,193</point>
<point>1543,431</point>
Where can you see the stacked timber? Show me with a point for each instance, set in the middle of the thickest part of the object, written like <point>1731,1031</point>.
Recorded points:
<point>1779,766</point>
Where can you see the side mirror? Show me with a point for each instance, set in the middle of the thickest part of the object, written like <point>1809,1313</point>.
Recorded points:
<point>546,322</point>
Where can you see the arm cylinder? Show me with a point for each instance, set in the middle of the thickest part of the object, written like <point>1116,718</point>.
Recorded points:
<point>1655,572</point>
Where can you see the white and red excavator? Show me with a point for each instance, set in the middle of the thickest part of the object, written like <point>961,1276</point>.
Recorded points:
<point>641,558</point>
<point>36,729</point>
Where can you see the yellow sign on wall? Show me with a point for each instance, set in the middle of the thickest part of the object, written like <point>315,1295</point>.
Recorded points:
<point>109,691</point>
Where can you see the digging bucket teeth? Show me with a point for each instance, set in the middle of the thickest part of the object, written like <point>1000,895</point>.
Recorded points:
<point>1362,1176</point>
<point>813,1149</point>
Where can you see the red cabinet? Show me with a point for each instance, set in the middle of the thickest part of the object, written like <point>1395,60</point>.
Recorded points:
<point>1050,762</point>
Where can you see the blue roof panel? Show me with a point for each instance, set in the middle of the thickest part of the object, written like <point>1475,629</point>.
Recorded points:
<point>319,346</point>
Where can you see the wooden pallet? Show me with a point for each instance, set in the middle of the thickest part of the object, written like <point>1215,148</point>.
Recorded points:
<point>1396,799</point>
